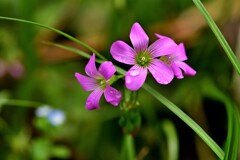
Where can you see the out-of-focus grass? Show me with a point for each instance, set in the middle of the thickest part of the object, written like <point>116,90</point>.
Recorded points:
<point>49,79</point>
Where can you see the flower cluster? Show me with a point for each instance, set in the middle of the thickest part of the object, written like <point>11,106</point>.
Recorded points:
<point>164,59</point>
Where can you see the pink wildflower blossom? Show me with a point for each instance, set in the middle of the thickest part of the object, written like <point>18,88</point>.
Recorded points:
<point>99,84</point>
<point>144,58</point>
<point>175,60</point>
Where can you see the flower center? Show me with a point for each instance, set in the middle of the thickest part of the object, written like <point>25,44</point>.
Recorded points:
<point>102,82</point>
<point>166,59</point>
<point>143,59</point>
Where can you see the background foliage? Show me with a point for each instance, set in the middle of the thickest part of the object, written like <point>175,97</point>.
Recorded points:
<point>32,70</point>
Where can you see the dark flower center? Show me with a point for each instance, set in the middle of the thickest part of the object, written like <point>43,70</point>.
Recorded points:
<point>143,59</point>
<point>166,59</point>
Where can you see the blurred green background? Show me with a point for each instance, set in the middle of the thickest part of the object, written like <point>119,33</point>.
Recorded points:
<point>35,71</point>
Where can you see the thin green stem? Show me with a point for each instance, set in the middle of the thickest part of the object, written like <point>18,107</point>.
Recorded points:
<point>232,57</point>
<point>59,32</point>
<point>23,103</point>
<point>128,151</point>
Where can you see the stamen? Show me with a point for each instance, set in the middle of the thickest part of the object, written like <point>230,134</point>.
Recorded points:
<point>143,59</point>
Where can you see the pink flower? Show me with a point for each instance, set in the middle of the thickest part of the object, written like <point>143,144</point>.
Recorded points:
<point>144,58</point>
<point>175,60</point>
<point>98,82</point>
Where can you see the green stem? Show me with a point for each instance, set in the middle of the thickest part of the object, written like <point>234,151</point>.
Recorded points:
<point>232,57</point>
<point>128,151</point>
<point>59,32</point>
<point>23,103</point>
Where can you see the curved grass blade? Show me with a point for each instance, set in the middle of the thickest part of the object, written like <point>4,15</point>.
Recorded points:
<point>232,57</point>
<point>184,117</point>
<point>232,140</point>
<point>59,32</point>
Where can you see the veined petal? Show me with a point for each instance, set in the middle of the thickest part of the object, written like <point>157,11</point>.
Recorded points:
<point>180,54</point>
<point>135,77</point>
<point>112,95</point>
<point>162,47</point>
<point>93,99</point>
<point>162,73</point>
<point>87,83</point>
<point>107,69</point>
<point>138,38</point>
<point>91,69</point>
<point>177,71</point>
<point>186,68</point>
<point>122,52</point>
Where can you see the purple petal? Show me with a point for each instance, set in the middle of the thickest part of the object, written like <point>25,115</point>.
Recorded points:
<point>88,84</point>
<point>138,38</point>
<point>177,71</point>
<point>180,54</point>
<point>93,99</point>
<point>135,77</point>
<point>122,52</point>
<point>186,68</point>
<point>160,36</point>
<point>107,69</point>
<point>91,69</point>
<point>162,47</point>
<point>112,95</point>
<point>162,73</point>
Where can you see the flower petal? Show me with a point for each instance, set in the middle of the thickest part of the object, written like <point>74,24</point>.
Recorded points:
<point>162,73</point>
<point>122,52</point>
<point>88,84</point>
<point>177,71</point>
<point>91,69</point>
<point>107,69</point>
<point>180,54</point>
<point>186,68</point>
<point>138,38</point>
<point>162,47</point>
<point>160,36</point>
<point>112,95</point>
<point>93,99</point>
<point>135,77</point>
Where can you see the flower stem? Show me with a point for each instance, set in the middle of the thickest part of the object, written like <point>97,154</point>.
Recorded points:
<point>128,151</point>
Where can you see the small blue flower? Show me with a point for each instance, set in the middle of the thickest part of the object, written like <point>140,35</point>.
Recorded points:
<point>55,117</point>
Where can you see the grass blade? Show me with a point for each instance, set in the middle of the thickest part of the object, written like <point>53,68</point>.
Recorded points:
<point>184,117</point>
<point>232,57</point>
<point>59,32</point>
